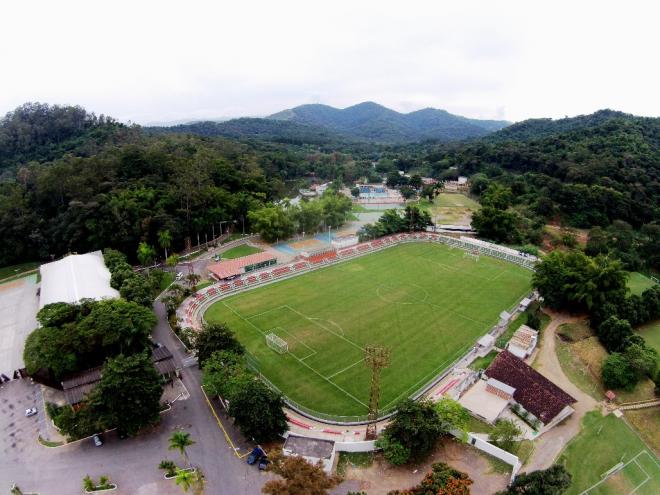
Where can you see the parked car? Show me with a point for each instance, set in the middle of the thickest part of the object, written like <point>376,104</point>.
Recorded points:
<point>217,257</point>
<point>256,454</point>
<point>30,412</point>
<point>97,440</point>
<point>179,275</point>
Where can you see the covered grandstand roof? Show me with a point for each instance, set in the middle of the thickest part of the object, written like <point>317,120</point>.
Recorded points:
<point>231,268</point>
<point>533,391</point>
<point>75,277</point>
<point>77,386</point>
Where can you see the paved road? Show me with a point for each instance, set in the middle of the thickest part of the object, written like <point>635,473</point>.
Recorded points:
<point>550,444</point>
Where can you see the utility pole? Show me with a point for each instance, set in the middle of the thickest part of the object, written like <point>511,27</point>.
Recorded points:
<point>376,358</point>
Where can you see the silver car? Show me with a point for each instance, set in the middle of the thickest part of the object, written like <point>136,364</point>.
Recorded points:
<point>30,412</point>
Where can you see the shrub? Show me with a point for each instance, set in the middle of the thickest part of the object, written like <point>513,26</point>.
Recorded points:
<point>617,372</point>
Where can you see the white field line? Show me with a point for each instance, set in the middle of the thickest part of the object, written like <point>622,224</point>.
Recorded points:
<point>298,359</point>
<point>264,313</point>
<point>326,328</point>
<point>347,368</point>
<point>634,459</point>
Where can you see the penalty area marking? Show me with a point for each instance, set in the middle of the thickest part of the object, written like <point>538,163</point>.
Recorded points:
<point>619,469</point>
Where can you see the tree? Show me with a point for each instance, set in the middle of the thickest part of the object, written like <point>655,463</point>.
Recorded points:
<point>128,395</point>
<point>184,479</point>
<point>192,279</point>
<point>393,450</point>
<point>257,411</point>
<point>614,334</point>
<point>137,289</point>
<point>617,372</point>
<point>180,440</point>
<point>165,240</point>
<point>642,359</point>
<point>300,477</point>
<point>355,191</point>
<point>172,260</point>
<point>442,479</point>
<point>272,223</point>
<point>416,426</point>
<point>552,481</point>
<point>214,337</point>
<point>497,225</point>
<point>168,466</point>
<point>504,433</point>
<point>146,254</point>
<point>452,414</point>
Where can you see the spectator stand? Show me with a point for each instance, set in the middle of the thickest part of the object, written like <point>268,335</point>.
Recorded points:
<point>191,311</point>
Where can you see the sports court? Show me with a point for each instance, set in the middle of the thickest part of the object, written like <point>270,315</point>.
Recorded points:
<point>427,302</point>
<point>607,457</point>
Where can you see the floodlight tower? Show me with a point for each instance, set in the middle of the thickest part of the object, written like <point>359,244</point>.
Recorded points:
<point>376,358</point>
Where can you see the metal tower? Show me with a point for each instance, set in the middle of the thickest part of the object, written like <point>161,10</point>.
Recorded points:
<point>376,358</point>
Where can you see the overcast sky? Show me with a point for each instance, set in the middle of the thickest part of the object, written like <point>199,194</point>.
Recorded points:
<point>165,61</point>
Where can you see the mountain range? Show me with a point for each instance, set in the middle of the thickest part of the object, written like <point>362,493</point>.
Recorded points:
<point>365,122</point>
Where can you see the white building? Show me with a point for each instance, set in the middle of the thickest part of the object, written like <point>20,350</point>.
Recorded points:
<point>76,277</point>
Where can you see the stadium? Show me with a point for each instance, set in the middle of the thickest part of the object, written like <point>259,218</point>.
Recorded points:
<point>306,326</point>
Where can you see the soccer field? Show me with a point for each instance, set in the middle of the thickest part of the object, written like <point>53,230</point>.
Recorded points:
<point>426,302</point>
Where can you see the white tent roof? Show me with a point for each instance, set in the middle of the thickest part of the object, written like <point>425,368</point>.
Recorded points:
<point>76,277</point>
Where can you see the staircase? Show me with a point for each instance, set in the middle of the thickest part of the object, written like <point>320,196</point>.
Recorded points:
<point>640,404</point>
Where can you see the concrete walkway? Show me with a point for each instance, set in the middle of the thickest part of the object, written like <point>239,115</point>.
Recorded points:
<point>548,447</point>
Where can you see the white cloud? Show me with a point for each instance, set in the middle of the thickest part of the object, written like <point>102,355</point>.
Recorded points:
<point>162,60</point>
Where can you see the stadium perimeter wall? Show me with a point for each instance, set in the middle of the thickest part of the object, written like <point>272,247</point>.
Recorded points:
<point>191,312</point>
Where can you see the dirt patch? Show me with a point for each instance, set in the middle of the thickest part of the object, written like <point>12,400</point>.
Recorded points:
<point>381,478</point>
<point>647,423</point>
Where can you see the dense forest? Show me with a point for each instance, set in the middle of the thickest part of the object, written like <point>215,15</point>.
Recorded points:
<point>72,181</point>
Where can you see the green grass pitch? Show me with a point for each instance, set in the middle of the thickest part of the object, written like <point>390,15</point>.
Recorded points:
<point>426,302</point>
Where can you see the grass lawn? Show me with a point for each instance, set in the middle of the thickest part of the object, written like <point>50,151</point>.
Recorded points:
<point>638,283</point>
<point>426,302</point>
<point>239,251</point>
<point>16,270</point>
<point>602,444</point>
<point>450,208</point>
<point>203,284</point>
<point>647,423</point>
<point>651,333</point>
<point>503,339</point>
<point>483,362</point>
<point>581,356</point>
<point>168,278</point>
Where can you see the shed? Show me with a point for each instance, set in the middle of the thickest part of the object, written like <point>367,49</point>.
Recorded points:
<point>311,449</point>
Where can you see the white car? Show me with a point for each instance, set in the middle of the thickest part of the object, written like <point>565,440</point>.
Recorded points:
<point>30,412</point>
<point>179,275</point>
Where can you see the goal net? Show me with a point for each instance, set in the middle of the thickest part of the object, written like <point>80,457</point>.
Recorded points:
<point>276,343</point>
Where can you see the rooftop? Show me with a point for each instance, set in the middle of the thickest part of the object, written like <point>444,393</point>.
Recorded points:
<point>230,268</point>
<point>309,447</point>
<point>77,386</point>
<point>76,277</point>
<point>534,392</point>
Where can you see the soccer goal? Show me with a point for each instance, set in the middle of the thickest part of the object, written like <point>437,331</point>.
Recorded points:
<point>473,255</point>
<point>276,343</point>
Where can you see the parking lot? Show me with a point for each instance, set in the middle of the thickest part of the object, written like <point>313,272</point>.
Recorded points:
<point>19,433</point>
<point>18,317</point>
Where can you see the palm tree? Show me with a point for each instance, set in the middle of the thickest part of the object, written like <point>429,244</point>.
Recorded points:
<point>145,254</point>
<point>179,441</point>
<point>165,240</point>
<point>184,479</point>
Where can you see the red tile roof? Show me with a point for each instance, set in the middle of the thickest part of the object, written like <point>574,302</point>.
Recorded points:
<point>534,392</point>
<point>230,268</point>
